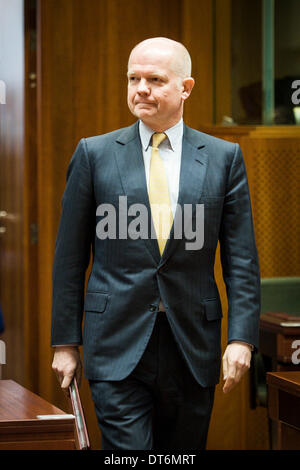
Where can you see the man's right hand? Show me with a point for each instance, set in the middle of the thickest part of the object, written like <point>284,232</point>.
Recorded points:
<point>67,364</point>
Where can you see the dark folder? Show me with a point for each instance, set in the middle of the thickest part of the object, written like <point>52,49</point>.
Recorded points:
<point>83,438</point>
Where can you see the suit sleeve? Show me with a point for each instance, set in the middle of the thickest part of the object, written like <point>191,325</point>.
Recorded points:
<point>72,250</point>
<point>239,256</point>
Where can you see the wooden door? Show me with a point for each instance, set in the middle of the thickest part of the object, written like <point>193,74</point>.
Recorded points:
<point>18,289</point>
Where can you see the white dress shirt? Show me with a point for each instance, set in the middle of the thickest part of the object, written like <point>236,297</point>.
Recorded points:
<point>170,152</point>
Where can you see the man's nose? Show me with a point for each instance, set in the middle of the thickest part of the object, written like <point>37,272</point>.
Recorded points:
<point>143,87</point>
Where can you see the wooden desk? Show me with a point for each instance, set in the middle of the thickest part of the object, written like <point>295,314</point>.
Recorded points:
<point>284,408</point>
<point>21,429</point>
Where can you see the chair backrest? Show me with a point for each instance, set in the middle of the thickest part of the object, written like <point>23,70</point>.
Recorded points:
<point>280,294</point>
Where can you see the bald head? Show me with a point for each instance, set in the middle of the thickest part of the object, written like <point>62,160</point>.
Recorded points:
<point>159,82</point>
<point>175,53</point>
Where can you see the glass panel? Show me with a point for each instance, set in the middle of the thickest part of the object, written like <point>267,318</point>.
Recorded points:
<point>287,58</point>
<point>246,70</point>
<point>265,62</point>
<point>268,103</point>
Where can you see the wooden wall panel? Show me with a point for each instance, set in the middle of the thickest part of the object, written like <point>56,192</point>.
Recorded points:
<point>30,308</point>
<point>11,187</point>
<point>222,61</point>
<point>274,171</point>
<point>104,32</point>
<point>271,157</point>
<point>55,141</point>
<point>197,36</point>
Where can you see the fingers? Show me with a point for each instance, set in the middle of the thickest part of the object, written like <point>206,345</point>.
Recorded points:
<point>231,375</point>
<point>64,377</point>
<point>66,363</point>
<point>66,382</point>
<point>229,384</point>
<point>236,361</point>
<point>233,379</point>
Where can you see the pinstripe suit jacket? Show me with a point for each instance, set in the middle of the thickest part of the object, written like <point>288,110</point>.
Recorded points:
<point>129,276</point>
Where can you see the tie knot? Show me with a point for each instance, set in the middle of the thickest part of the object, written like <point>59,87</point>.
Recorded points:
<point>157,139</point>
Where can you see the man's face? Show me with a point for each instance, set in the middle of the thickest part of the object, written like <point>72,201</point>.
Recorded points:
<point>155,91</point>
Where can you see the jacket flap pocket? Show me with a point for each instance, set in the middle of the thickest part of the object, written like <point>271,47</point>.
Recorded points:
<point>95,301</point>
<point>212,309</point>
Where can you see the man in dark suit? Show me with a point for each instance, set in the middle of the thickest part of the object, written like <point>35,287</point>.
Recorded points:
<point>152,326</point>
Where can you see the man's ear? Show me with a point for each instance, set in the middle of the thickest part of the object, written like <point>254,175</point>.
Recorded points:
<point>187,84</point>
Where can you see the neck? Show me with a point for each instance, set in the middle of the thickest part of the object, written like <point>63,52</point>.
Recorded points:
<point>161,127</point>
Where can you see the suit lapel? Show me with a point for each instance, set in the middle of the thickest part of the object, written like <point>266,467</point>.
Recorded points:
<point>129,158</point>
<point>192,176</point>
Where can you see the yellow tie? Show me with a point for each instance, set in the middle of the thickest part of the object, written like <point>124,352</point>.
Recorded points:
<point>159,194</point>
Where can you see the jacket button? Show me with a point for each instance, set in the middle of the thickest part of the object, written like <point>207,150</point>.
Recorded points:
<point>152,308</point>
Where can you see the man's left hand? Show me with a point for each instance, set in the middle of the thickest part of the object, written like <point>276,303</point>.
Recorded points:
<point>236,361</point>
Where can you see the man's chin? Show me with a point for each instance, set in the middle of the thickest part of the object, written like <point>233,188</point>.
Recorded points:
<point>144,113</point>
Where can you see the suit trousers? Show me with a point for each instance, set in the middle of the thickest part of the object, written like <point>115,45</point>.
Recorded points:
<point>159,405</point>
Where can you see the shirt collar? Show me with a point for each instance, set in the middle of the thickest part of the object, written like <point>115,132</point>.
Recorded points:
<point>174,134</point>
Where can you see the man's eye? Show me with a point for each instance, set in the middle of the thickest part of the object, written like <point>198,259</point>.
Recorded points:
<point>132,79</point>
